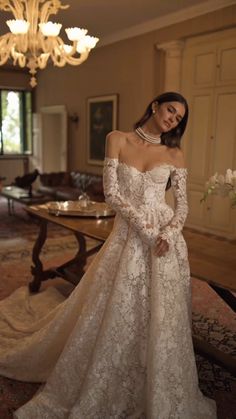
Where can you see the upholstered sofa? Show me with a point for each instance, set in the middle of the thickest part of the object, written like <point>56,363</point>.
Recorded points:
<point>70,185</point>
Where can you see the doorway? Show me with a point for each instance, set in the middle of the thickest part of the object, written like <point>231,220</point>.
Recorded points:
<point>53,139</point>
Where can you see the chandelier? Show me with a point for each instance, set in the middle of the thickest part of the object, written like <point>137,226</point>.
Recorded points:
<point>33,39</point>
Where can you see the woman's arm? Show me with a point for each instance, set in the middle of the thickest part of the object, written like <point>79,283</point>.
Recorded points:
<point>115,141</point>
<point>113,197</point>
<point>169,233</point>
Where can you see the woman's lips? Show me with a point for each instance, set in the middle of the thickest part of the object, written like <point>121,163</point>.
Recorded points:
<point>167,124</point>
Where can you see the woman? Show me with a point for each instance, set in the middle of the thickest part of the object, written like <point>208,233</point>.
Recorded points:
<point>120,346</point>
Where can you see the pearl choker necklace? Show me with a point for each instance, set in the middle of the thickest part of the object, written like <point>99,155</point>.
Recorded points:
<point>149,138</point>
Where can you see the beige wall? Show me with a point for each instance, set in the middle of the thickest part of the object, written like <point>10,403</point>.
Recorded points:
<point>14,79</point>
<point>125,68</point>
<point>132,68</point>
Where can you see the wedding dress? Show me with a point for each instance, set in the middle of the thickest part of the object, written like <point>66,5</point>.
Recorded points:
<point>120,345</point>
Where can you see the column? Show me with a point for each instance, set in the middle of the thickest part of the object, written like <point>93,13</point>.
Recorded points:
<point>173,64</point>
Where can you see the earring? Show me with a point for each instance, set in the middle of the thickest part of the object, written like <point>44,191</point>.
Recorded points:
<point>153,111</point>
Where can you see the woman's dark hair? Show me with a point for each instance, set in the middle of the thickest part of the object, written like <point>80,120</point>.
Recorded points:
<point>171,138</point>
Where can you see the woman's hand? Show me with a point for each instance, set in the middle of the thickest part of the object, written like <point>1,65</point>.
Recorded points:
<point>161,247</point>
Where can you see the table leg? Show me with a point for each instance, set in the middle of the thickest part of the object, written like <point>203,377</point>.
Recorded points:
<point>37,269</point>
<point>9,206</point>
<point>72,270</point>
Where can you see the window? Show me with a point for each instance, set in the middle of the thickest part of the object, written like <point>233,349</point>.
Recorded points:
<point>15,122</point>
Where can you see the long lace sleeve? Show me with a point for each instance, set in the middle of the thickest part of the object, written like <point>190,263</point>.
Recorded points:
<point>178,182</point>
<point>117,202</point>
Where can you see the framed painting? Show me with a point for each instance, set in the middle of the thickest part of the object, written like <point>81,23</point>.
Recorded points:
<point>101,119</point>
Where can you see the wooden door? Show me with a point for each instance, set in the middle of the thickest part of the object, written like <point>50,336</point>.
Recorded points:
<point>209,83</point>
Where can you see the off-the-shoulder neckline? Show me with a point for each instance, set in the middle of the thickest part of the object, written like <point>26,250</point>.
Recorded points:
<point>146,171</point>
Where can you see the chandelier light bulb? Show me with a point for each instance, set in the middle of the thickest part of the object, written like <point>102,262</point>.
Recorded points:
<point>18,26</point>
<point>50,28</point>
<point>75,34</point>
<point>41,42</point>
<point>90,41</point>
<point>81,47</point>
<point>86,44</point>
<point>67,48</point>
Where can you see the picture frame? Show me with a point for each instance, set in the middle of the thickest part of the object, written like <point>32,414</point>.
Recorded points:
<point>101,119</point>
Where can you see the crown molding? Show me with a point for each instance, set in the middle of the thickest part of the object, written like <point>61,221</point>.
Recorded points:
<point>166,20</point>
<point>173,49</point>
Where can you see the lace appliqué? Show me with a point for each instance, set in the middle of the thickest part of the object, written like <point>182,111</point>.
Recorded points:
<point>175,226</point>
<point>117,202</point>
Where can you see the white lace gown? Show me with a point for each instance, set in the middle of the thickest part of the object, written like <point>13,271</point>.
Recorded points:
<point>120,346</point>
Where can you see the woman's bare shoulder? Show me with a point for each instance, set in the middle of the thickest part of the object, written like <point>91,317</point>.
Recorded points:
<point>114,142</point>
<point>116,135</point>
<point>177,157</point>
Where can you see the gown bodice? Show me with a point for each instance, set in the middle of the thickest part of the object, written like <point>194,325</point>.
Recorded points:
<point>144,188</point>
<point>139,198</point>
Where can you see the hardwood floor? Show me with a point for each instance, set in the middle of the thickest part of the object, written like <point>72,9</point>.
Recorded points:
<point>212,259</point>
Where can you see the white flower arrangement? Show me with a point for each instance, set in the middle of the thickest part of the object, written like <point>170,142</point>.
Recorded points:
<point>223,185</point>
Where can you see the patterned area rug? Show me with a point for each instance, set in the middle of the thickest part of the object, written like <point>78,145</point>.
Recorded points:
<point>212,319</point>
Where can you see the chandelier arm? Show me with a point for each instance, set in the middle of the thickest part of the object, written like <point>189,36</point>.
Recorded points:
<point>60,45</point>
<point>58,60</point>
<point>31,11</point>
<point>5,47</point>
<point>45,43</point>
<point>17,9</point>
<point>7,7</point>
<point>70,60</point>
<point>57,54</point>
<point>44,12</point>
<point>55,46</point>
<point>22,60</point>
<point>6,43</point>
<point>18,57</point>
<point>42,60</point>
<point>50,7</point>
<point>77,61</point>
<point>32,14</point>
<point>21,42</point>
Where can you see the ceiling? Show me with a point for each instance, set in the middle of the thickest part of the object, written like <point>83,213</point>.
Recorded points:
<point>112,20</point>
<point>106,17</point>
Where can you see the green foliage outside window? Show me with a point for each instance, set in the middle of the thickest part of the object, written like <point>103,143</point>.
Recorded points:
<point>15,122</point>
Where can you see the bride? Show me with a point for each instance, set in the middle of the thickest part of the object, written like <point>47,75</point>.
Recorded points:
<point>120,346</point>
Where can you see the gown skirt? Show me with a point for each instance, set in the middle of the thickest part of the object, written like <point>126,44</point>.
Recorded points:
<point>118,347</point>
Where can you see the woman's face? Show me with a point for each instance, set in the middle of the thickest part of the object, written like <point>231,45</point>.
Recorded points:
<point>168,115</point>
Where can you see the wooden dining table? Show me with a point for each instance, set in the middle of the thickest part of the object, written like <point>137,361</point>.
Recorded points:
<point>82,227</point>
